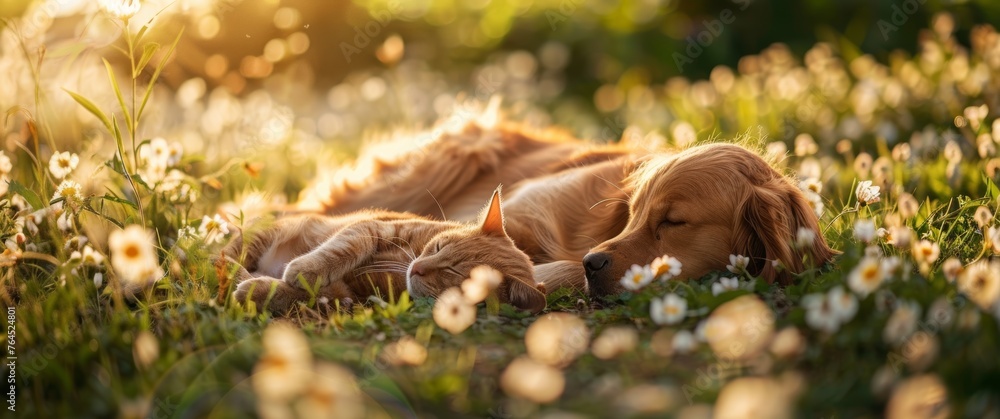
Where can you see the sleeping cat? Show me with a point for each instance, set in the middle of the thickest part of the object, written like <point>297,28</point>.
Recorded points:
<point>354,255</point>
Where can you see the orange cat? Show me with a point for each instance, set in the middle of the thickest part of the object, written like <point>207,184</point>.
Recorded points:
<point>354,255</point>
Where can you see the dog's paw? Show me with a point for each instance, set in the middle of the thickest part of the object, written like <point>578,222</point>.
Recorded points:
<point>306,268</point>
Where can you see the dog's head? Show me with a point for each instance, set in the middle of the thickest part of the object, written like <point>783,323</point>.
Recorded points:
<point>700,206</point>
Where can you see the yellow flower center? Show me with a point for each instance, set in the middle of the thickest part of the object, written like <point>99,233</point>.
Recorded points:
<point>64,163</point>
<point>870,273</point>
<point>670,309</point>
<point>636,278</point>
<point>132,251</point>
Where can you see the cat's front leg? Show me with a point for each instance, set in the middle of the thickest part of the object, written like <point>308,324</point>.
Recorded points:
<point>338,256</point>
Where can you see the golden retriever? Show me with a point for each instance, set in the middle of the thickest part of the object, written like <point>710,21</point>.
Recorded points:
<point>584,213</point>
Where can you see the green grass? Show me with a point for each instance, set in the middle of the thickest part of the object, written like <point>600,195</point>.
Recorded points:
<point>84,350</point>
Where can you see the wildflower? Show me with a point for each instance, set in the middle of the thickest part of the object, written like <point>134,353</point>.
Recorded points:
<point>527,379</point>
<point>899,237</point>
<point>810,168</point>
<point>5,165</point>
<point>557,339</point>
<point>174,153</point>
<point>922,396</point>
<point>614,341</point>
<point>133,255</point>
<point>926,252</point>
<point>684,342</point>
<point>738,264</point>
<point>804,238</point>
<point>816,203</point>
<point>739,329</point>
<point>671,309</point>
<point>873,251</point>
<point>993,235</point>
<point>981,283</point>
<point>864,230</point>
<point>285,368</point>
<point>91,257</point>
<point>637,277</point>
<point>665,267</point>
<point>907,205</point>
<point>902,322</point>
<point>332,392</point>
<point>812,185</point>
<point>901,152</point>
<point>866,193</point>
<point>940,314</point>
<point>866,277</point>
<point>98,279</point>
<point>755,397</point>
<point>452,312</point>
<point>121,9</point>
<point>213,229</point>
<point>145,349</point>
<point>788,343</point>
<point>863,165</point>
<point>62,164</point>
<point>65,221</point>
<point>725,284</point>
<point>647,399</point>
<point>983,217</point>
<point>805,145</point>
<point>891,265</point>
<point>844,304</point>
<point>819,313</point>
<point>71,191</point>
<point>920,350</point>
<point>481,282</point>
<point>952,268</point>
<point>405,351</point>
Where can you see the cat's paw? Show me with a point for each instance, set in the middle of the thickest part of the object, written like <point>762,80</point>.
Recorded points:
<point>254,290</point>
<point>314,273</point>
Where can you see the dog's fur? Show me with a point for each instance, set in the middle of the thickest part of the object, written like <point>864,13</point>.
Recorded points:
<point>570,201</point>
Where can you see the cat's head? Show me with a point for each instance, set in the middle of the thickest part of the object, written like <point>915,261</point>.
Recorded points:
<point>450,256</point>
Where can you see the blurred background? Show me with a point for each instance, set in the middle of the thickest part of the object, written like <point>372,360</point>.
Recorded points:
<point>253,73</point>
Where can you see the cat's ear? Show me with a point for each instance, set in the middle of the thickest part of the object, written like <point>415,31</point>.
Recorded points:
<point>493,220</point>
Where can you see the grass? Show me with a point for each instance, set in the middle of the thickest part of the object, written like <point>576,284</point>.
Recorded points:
<point>183,347</point>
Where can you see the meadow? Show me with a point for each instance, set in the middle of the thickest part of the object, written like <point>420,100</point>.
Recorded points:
<point>122,179</point>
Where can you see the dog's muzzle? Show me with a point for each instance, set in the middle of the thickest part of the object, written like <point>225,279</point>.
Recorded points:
<point>596,266</point>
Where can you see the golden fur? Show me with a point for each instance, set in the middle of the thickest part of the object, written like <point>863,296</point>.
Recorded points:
<point>569,200</point>
<point>369,252</point>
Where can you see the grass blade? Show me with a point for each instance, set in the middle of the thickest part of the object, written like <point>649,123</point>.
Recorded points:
<point>147,54</point>
<point>92,108</point>
<point>118,93</point>
<point>156,75</point>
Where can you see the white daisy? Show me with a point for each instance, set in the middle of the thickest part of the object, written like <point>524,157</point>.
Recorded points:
<point>820,314</point>
<point>738,264</point>
<point>993,237</point>
<point>725,284</point>
<point>670,309</point>
<point>213,229</point>
<point>71,191</point>
<point>452,312</point>
<point>902,322</point>
<point>614,341</point>
<point>133,255</point>
<point>530,380</point>
<point>805,237</point>
<point>684,342</point>
<point>62,164</point>
<point>907,205</point>
<point>981,283</point>
<point>285,368</point>
<point>864,230</point>
<point>952,268</point>
<point>983,217</point>
<point>91,257</point>
<point>866,193</point>
<point>926,252</point>
<point>899,236</point>
<point>844,304</point>
<point>481,282</point>
<point>812,185</point>
<point>121,9</point>
<point>866,277</point>
<point>5,165</point>
<point>637,277</point>
<point>665,267</point>
<point>65,222</point>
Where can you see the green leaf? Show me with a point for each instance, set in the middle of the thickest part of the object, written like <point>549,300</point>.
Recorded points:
<point>29,196</point>
<point>92,108</point>
<point>118,93</point>
<point>119,200</point>
<point>147,54</point>
<point>109,219</point>
<point>156,74</point>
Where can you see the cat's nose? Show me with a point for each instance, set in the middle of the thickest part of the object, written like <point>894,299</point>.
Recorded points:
<point>417,269</point>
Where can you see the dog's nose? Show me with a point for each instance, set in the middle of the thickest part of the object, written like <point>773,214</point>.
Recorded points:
<point>594,262</point>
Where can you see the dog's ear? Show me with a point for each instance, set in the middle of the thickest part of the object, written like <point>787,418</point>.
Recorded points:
<point>522,295</point>
<point>772,215</point>
<point>493,217</point>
